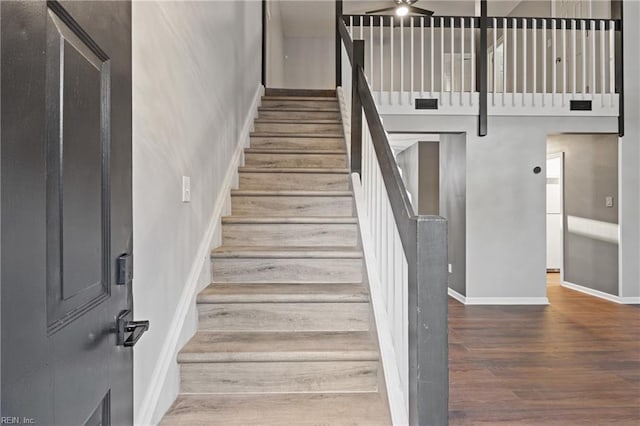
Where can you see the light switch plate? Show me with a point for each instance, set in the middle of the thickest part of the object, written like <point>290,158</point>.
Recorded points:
<point>186,189</point>
<point>608,201</point>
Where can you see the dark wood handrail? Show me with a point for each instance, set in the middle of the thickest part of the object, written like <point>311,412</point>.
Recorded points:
<point>346,39</point>
<point>396,189</point>
<point>401,206</point>
<point>424,240</point>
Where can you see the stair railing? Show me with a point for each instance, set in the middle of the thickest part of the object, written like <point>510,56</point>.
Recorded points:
<point>494,65</point>
<point>406,257</point>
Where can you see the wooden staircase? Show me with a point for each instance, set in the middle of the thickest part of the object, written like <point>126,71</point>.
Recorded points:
<point>286,335</point>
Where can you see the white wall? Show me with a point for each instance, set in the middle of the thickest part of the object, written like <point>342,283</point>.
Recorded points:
<point>309,62</point>
<point>275,45</point>
<point>196,71</point>
<point>308,28</point>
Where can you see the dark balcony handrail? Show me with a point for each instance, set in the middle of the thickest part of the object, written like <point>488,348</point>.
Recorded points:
<point>446,21</point>
<point>407,20</point>
<point>484,23</point>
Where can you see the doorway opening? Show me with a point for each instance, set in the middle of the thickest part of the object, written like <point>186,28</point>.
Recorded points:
<point>582,213</point>
<point>300,44</point>
<point>555,218</point>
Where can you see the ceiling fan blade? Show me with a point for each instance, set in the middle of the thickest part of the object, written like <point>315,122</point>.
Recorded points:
<point>420,11</point>
<point>381,10</point>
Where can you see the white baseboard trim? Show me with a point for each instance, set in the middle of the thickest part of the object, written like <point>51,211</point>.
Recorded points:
<point>601,294</point>
<point>506,300</point>
<point>460,298</point>
<point>398,406</point>
<point>147,412</point>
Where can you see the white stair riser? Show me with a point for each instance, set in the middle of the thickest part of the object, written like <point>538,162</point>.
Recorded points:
<point>280,377</point>
<point>225,317</point>
<point>307,270</point>
<point>292,142</point>
<point>299,115</point>
<point>294,181</point>
<point>284,205</point>
<point>295,160</point>
<point>288,234</point>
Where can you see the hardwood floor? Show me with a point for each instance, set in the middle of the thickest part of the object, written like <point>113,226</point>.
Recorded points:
<point>574,362</point>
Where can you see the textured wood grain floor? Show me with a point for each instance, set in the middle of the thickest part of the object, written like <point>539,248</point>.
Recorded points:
<point>574,362</point>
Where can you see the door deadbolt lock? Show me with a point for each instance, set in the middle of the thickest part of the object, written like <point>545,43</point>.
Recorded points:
<point>124,274</point>
<point>126,325</point>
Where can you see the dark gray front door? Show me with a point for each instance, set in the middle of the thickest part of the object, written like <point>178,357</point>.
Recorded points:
<point>66,211</point>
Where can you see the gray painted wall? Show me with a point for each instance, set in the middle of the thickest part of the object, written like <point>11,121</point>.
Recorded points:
<point>453,204</point>
<point>435,176</point>
<point>532,8</point>
<point>590,174</point>
<point>505,200</point>
<point>429,178</point>
<point>408,162</point>
<point>630,158</point>
<point>513,263</point>
<point>542,8</point>
<point>275,45</point>
<point>420,166</point>
<point>196,70</point>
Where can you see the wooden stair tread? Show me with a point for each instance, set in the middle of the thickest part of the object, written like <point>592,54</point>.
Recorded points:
<point>278,91</point>
<point>317,136</point>
<point>275,151</point>
<point>293,219</point>
<point>284,330</point>
<point>301,98</point>
<point>283,293</point>
<point>295,135</point>
<point>280,120</point>
<point>292,170</point>
<point>290,193</point>
<point>303,409</point>
<point>293,104</point>
<point>276,252</point>
<point>302,135</point>
<point>291,108</point>
<point>208,346</point>
<point>332,106</point>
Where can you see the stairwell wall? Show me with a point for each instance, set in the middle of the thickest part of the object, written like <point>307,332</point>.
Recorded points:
<point>629,152</point>
<point>196,73</point>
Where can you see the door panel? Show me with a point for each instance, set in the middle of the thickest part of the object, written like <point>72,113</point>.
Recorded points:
<point>78,84</point>
<point>65,143</point>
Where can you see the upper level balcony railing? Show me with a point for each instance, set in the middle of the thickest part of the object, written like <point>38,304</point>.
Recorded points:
<point>534,66</point>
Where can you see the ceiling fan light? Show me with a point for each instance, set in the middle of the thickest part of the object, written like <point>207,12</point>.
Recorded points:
<point>402,10</point>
